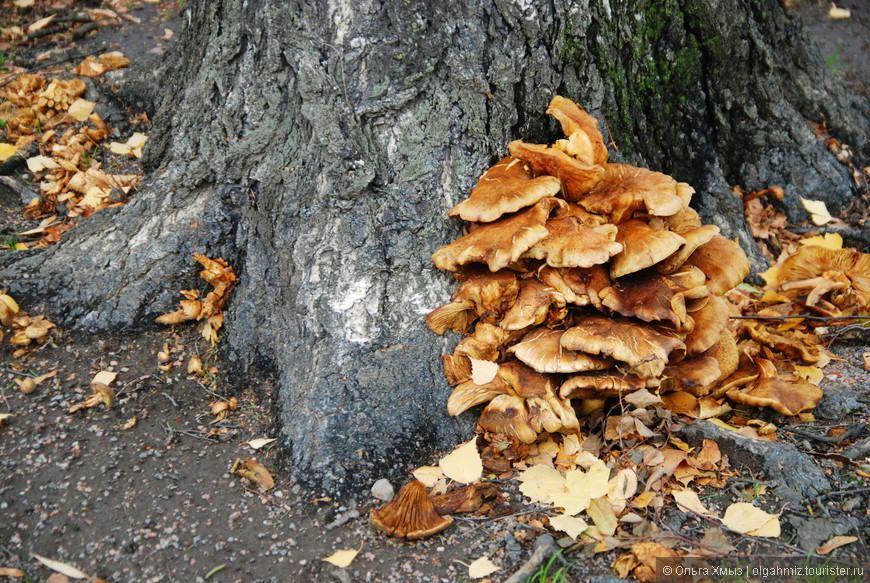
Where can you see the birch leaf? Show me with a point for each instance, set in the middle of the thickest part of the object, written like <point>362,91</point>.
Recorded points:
<point>687,500</point>
<point>61,568</point>
<point>482,567</point>
<point>464,464</point>
<point>80,109</point>
<point>570,525</point>
<point>745,518</point>
<point>429,475</point>
<point>540,482</point>
<point>832,241</point>
<point>260,442</point>
<point>40,24</point>
<point>482,371</point>
<point>343,558</point>
<point>818,211</point>
<point>7,150</point>
<point>623,485</point>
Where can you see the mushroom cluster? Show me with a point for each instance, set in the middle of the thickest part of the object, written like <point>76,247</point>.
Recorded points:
<point>584,280</point>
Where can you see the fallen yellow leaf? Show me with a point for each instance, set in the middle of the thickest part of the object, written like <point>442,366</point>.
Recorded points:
<point>429,475</point>
<point>745,518</point>
<point>540,482</point>
<point>260,442</point>
<point>463,465</point>
<point>343,558</point>
<point>570,525</point>
<point>41,23</point>
<point>6,150</point>
<point>832,241</point>
<point>481,568</point>
<point>687,500</point>
<point>837,13</point>
<point>818,211</point>
<point>80,109</point>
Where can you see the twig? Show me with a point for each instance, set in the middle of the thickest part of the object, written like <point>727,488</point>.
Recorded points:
<point>854,431</point>
<point>171,400</point>
<point>172,431</point>
<point>69,57</point>
<point>843,493</point>
<point>859,449</point>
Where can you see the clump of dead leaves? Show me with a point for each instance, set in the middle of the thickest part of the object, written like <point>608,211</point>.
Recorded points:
<point>68,134</point>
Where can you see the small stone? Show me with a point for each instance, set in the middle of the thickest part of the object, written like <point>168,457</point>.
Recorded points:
<point>383,490</point>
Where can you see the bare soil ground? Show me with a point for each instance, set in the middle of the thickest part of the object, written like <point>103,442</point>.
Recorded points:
<point>156,502</point>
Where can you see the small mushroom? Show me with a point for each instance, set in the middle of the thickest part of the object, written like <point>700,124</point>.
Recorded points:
<point>787,345</point>
<point>577,177</point>
<point>815,271</point>
<point>574,119</point>
<point>694,375</point>
<point>501,242</point>
<point>710,321</point>
<point>625,189</point>
<point>8,309</point>
<point>578,286</point>
<point>505,188</point>
<point>532,305</point>
<point>723,262</point>
<point>482,294</point>
<point>643,246</point>
<point>101,394</point>
<point>410,514</point>
<point>645,350</point>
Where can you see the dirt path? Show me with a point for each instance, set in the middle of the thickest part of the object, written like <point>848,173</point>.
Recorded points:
<point>156,502</point>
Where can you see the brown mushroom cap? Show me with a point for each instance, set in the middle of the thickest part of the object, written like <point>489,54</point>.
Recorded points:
<point>789,397</point>
<point>503,189</point>
<point>507,415</point>
<point>529,407</point>
<point>693,375</point>
<point>481,294</point>
<point>571,243</point>
<point>643,247</point>
<point>575,119</point>
<point>501,242</point>
<point>723,261</point>
<point>694,239</point>
<point>532,305</point>
<point>577,178</point>
<point>604,384</point>
<point>791,347</point>
<point>410,515</point>
<point>651,296</point>
<point>577,285</point>
<point>710,321</point>
<point>541,350</point>
<point>645,350</point>
<point>625,189</point>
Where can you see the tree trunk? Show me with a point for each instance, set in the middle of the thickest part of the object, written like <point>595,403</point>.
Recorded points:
<point>317,147</point>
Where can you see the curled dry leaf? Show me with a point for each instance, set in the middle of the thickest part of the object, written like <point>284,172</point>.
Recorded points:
<point>60,567</point>
<point>254,471</point>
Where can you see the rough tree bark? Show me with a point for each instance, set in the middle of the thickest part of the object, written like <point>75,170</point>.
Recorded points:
<point>318,146</point>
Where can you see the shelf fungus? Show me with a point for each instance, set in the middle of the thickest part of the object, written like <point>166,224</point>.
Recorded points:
<point>590,280</point>
<point>410,515</point>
